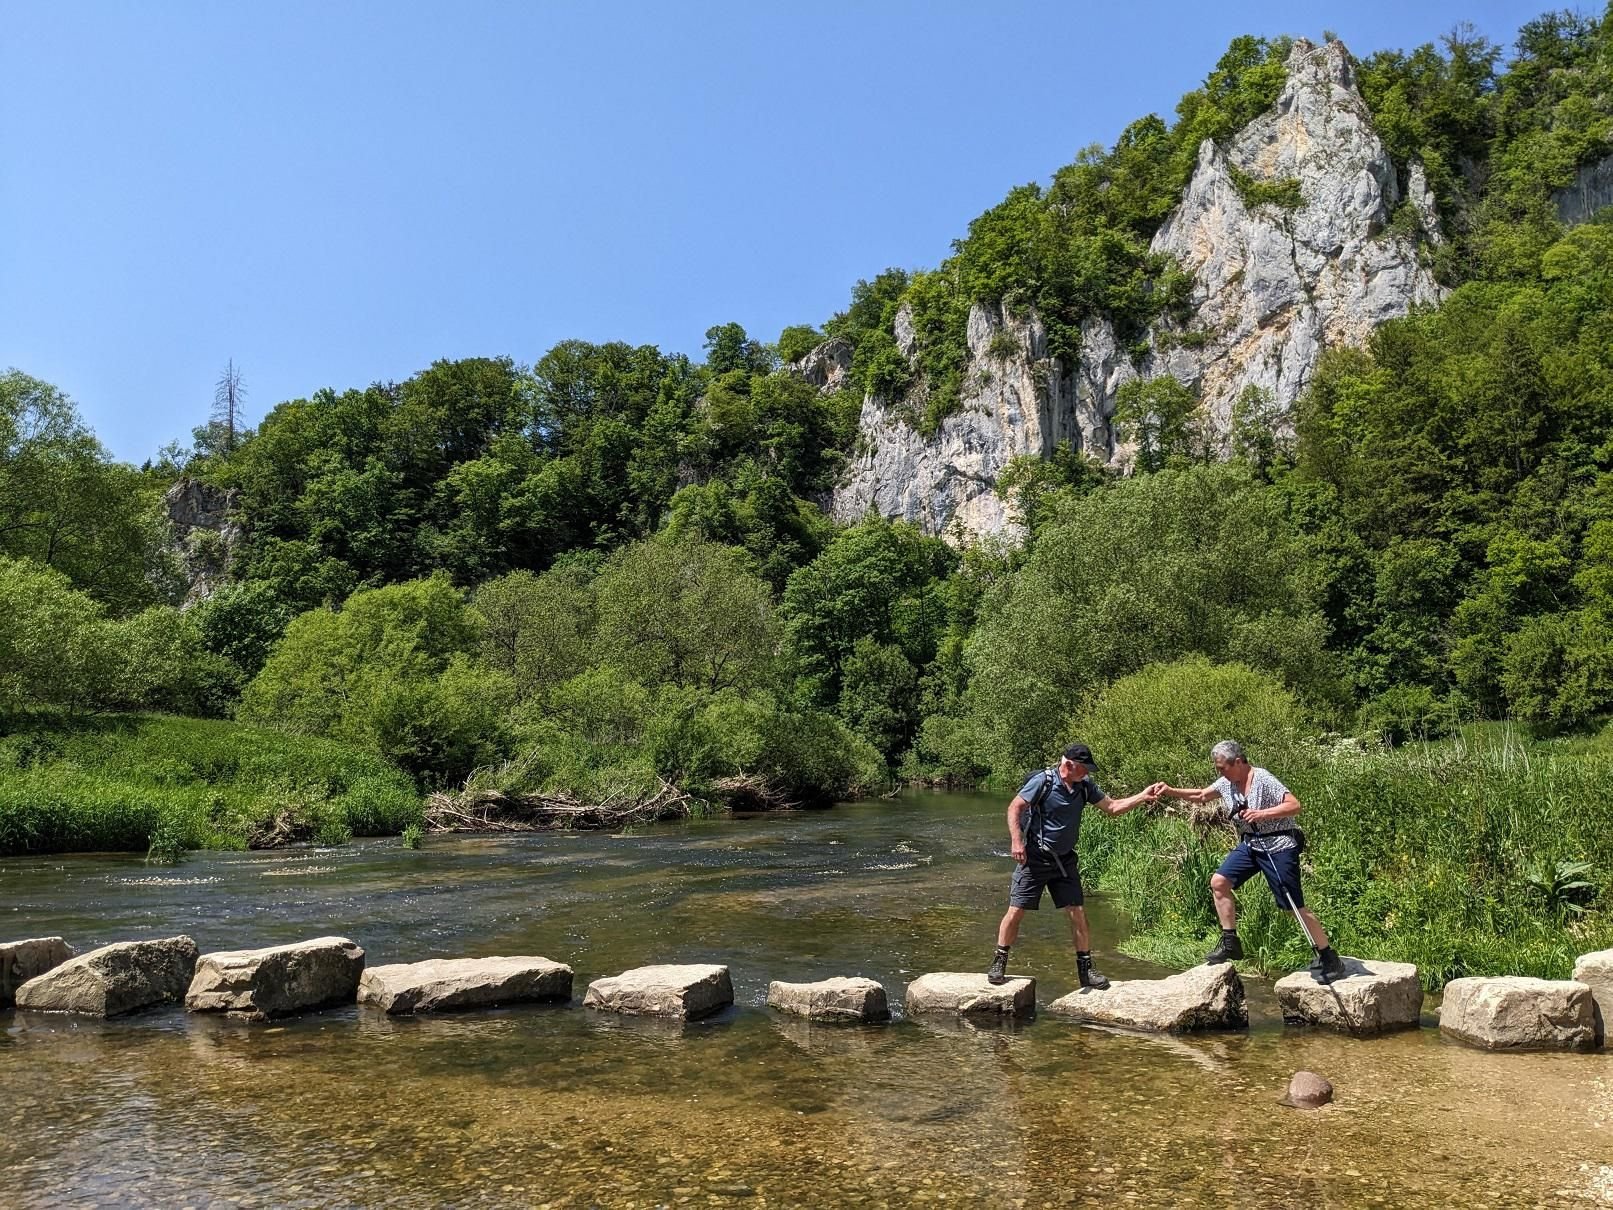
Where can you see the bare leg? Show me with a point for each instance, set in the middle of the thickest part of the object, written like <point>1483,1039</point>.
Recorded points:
<point>1226,907</point>
<point>1008,930</point>
<point>1078,929</point>
<point>1318,934</point>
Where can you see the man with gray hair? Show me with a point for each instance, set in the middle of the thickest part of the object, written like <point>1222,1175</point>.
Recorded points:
<point>1263,810</point>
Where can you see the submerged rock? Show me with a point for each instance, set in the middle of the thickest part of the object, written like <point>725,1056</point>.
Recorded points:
<point>1307,1090</point>
<point>120,978</point>
<point>445,984</point>
<point>278,981</point>
<point>839,999</point>
<point>689,991</point>
<point>1595,971</point>
<point>1203,997</point>
<point>21,961</point>
<point>1373,998</point>
<point>969,995</point>
<point>1511,1012</point>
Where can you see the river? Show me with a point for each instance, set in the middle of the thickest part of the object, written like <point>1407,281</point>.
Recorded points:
<point>559,1106</point>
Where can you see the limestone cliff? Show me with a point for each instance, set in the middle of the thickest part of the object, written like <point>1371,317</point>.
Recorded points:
<point>1273,286</point>
<point>205,533</point>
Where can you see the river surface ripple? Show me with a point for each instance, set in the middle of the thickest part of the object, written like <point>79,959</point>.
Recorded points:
<point>566,1107</point>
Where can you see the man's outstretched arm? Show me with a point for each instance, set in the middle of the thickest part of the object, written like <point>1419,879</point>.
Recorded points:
<point>1161,790</point>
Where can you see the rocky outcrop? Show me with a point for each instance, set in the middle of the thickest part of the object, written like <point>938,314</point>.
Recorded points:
<point>1515,1013</point>
<point>120,978</point>
<point>969,995</point>
<point>828,366</point>
<point>1274,285</point>
<point>1595,971</point>
<point>1307,1090</point>
<point>205,532</point>
<point>688,991</point>
<point>277,981</point>
<point>1591,190</point>
<point>1202,997</point>
<point>21,961</point>
<point>1374,997</point>
<point>448,984</point>
<point>856,1001</point>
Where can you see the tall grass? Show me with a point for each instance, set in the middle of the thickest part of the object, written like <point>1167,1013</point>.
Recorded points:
<point>113,782</point>
<point>1438,854</point>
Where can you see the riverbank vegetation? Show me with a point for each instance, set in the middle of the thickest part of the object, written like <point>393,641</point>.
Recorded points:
<point>612,570</point>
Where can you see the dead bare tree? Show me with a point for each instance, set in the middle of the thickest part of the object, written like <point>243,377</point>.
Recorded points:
<point>227,399</point>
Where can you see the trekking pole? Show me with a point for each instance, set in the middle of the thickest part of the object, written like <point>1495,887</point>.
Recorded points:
<point>1276,881</point>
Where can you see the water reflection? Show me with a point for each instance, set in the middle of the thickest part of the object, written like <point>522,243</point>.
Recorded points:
<point>565,1106</point>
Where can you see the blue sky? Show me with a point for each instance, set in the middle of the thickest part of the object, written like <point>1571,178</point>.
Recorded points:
<point>336,193</point>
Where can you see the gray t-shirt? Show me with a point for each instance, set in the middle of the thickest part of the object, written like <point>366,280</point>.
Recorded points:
<point>1261,791</point>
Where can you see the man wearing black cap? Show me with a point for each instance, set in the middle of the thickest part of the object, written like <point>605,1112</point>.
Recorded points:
<point>1044,823</point>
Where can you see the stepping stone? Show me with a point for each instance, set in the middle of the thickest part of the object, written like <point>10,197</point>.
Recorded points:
<point>120,978</point>
<point>444,984</point>
<point>1374,997</point>
<point>1203,997</point>
<point>278,981</point>
<point>1510,1012</point>
<point>840,999</point>
<point>21,961</point>
<point>1595,971</point>
<point>689,991</point>
<point>969,995</point>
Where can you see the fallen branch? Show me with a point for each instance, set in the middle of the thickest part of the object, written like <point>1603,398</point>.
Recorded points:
<point>487,810</point>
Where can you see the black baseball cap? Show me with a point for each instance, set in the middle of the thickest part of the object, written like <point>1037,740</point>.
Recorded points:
<point>1081,753</point>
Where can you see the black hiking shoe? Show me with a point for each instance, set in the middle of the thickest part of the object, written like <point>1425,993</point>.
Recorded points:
<point>1328,966</point>
<point>999,966</point>
<point>1089,977</point>
<point>1228,949</point>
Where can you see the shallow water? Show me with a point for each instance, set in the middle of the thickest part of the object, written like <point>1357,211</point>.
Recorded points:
<point>557,1105</point>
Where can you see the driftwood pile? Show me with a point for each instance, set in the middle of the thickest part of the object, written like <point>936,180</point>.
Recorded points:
<point>489,810</point>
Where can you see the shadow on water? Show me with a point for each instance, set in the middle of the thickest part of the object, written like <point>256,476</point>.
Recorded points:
<point>557,1104</point>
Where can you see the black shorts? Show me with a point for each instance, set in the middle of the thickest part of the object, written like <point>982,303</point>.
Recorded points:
<point>1039,872</point>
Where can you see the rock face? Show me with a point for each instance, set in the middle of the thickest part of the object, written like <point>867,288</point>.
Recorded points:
<point>1514,1013</point>
<point>827,366</point>
<point>1307,1090</point>
<point>1203,997</point>
<point>205,533</point>
<point>120,978</point>
<point>689,991</point>
<point>969,995</point>
<point>1591,190</point>
<point>21,961</point>
<point>1273,287</point>
<point>832,1000</point>
<point>278,981</point>
<point>1596,972</point>
<point>1374,997</point>
<point>446,984</point>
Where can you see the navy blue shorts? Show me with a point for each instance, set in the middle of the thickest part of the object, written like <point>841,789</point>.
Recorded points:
<point>1281,871</point>
<point>1039,873</point>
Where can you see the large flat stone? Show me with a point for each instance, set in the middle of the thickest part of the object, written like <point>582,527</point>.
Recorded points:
<point>21,961</point>
<point>1203,997</point>
<point>689,990</point>
<point>123,977</point>
<point>1510,1012</point>
<point>839,999</point>
<point>277,981</point>
<point>1373,998</point>
<point>969,995</point>
<point>446,984</point>
<point>1595,971</point>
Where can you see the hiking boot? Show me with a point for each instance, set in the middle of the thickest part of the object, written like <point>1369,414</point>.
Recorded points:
<point>1089,977</point>
<point>1328,966</point>
<point>1228,949</point>
<point>999,966</point>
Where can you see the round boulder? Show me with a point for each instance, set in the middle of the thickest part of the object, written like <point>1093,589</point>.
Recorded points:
<point>1307,1090</point>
